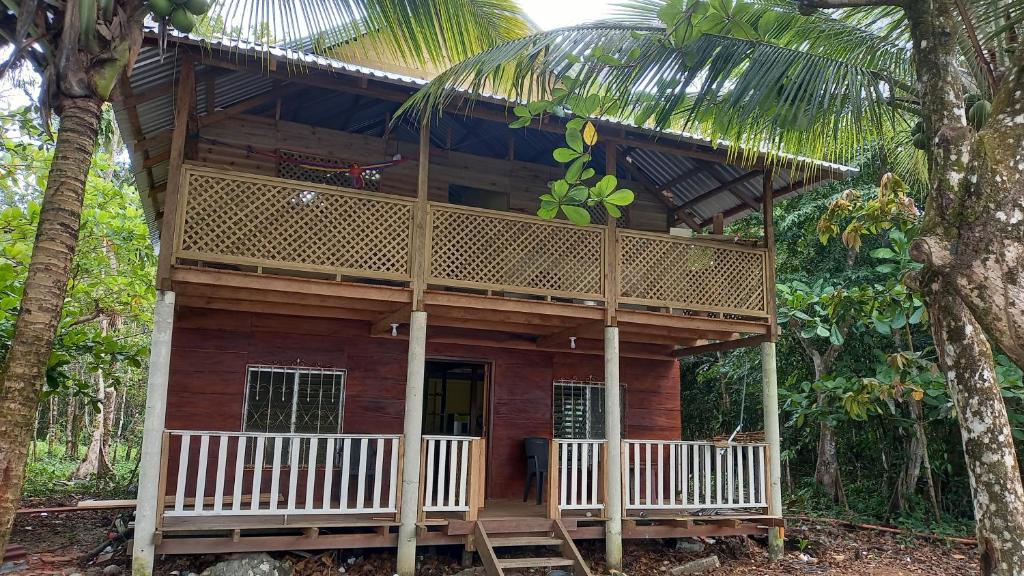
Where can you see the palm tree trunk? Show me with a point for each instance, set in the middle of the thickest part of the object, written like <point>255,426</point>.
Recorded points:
<point>43,298</point>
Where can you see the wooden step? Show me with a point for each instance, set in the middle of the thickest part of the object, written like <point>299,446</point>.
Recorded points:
<point>534,562</point>
<point>506,525</point>
<point>526,541</point>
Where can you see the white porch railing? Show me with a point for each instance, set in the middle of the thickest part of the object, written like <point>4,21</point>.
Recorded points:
<point>229,473</point>
<point>580,469</point>
<point>666,475</point>
<point>449,466</point>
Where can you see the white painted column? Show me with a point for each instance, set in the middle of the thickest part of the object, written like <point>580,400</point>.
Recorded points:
<point>613,434</point>
<point>413,439</point>
<point>149,504</point>
<point>770,401</point>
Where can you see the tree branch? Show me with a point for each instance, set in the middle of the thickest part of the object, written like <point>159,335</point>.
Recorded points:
<point>809,6</point>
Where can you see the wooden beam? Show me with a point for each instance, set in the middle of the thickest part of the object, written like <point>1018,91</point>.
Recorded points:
<point>741,179</point>
<point>561,338</point>
<point>383,326</point>
<point>611,251</point>
<point>718,224</point>
<point>245,105</point>
<point>721,346</point>
<point>777,194</point>
<point>184,95</point>
<point>688,175</point>
<point>768,216</point>
<point>420,229</point>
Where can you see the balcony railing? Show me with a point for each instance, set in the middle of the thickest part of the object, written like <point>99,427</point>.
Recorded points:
<point>274,224</point>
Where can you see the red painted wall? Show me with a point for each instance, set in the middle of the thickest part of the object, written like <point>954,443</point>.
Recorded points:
<point>211,349</point>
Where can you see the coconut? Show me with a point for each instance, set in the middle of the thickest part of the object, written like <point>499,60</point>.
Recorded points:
<point>161,8</point>
<point>197,7</point>
<point>918,128</point>
<point>920,141</point>
<point>183,20</point>
<point>979,113</point>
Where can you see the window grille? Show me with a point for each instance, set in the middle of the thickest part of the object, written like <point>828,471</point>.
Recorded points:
<point>282,399</point>
<point>579,410</point>
<point>290,166</point>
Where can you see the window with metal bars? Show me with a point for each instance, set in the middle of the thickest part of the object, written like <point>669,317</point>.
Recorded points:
<point>579,410</point>
<point>292,399</point>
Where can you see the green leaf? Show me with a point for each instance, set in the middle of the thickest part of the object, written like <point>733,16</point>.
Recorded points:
<point>882,253</point>
<point>564,155</point>
<point>559,189</point>
<point>576,215</point>
<point>575,124</point>
<point>521,122</point>
<point>521,111</point>
<point>621,197</point>
<point>587,174</point>
<point>547,211</point>
<point>574,139</point>
<point>917,315</point>
<point>822,331</point>
<point>613,210</point>
<point>836,337</point>
<point>579,194</point>
<point>606,185</point>
<point>575,170</point>
<point>538,106</point>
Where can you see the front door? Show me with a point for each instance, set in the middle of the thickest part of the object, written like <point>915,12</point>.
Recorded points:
<point>454,399</point>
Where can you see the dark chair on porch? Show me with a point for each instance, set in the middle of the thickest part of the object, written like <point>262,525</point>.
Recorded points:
<point>536,465</point>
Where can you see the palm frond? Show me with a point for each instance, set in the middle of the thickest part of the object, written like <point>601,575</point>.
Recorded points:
<point>416,31</point>
<point>815,87</point>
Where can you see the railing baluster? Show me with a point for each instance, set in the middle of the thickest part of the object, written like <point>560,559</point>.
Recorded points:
<point>204,447</point>
<point>708,452</point>
<point>428,493</point>
<point>595,467</point>
<point>328,472</point>
<point>636,474</point>
<point>311,472</point>
<point>762,497</point>
<point>179,492</point>
<point>294,447</point>
<point>346,461</point>
<point>442,469</point>
<point>696,474</point>
<point>672,475</point>
<point>236,495</point>
<point>222,464</point>
<point>661,474</point>
<point>750,476</point>
<point>730,473</point>
<point>453,461</point>
<point>361,478</point>
<point>574,473</point>
<point>257,474</point>
<point>563,472</point>
<point>464,472</point>
<point>648,464</point>
<point>584,464</point>
<point>378,473</point>
<point>393,477</point>
<point>275,474</point>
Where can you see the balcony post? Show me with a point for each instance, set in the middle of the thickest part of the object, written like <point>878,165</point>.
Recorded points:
<point>184,100</point>
<point>149,503</point>
<point>413,439</point>
<point>613,436</point>
<point>611,248</point>
<point>770,399</point>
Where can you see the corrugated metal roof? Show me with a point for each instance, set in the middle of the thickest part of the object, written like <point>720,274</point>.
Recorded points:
<point>153,70</point>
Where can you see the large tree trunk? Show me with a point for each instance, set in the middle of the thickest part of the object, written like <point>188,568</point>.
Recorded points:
<point>826,470</point>
<point>43,298</point>
<point>72,428</point>
<point>97,461</point>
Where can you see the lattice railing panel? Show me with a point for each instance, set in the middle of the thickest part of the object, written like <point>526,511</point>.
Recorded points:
<point>682,273</point>
<point>276,223</point>
<point>476,248</point>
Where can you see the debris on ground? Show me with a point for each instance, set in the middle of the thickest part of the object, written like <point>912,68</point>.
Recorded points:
<point>250,564</point>
<point>700,566</point>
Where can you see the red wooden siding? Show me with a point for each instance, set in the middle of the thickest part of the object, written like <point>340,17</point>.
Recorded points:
<point>211,349</point>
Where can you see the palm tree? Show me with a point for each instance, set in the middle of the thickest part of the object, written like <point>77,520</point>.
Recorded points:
<point>786,77</point>
<point>80,48</point>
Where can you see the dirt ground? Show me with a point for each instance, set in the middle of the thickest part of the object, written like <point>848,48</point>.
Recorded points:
<point>58,542</point>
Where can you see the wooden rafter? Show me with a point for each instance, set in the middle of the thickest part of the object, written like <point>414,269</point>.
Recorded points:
<point>246,105</point>
<point>391,320</point>
<point>721,346</point>
<point>725,186</point>
<point>561,338</point>
<point>779,193</point>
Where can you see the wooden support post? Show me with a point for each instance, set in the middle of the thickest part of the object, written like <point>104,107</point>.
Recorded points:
<point>554,489</point>
<point>149,504</point>
<point>611,252</point>
<point>183,100</point>
<point>718,224</point>
<point>613,435</point>
<point>414,438</point>
<point>768,207</point>
<point>770,401</point>
<point>421,215</point>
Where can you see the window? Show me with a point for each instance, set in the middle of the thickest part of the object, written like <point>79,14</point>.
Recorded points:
<point>291,399</point>
<point>579,410</point>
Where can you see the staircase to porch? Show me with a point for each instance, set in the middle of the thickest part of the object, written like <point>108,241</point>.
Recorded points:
<point>546,542</point>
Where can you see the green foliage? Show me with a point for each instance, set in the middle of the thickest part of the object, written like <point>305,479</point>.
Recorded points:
<point>48,475</point>
<point>579,189</point>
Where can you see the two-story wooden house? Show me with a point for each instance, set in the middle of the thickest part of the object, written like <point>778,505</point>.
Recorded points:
<point>365,338</point>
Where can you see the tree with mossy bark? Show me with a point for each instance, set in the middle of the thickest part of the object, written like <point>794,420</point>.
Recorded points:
<point>82,49</point>
<point>833,79</point>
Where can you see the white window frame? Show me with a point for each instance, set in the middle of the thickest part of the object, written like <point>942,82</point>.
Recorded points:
<point>589,386</point>
<point>297,371</point>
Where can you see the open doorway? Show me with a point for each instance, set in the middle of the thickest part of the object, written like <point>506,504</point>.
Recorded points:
<point>454,402</point>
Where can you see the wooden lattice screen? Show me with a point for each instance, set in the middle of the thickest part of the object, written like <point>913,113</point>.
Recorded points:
<point>500,251</point>
<point>255,220</point>
<point>291,166</point>
<point>682,273</point>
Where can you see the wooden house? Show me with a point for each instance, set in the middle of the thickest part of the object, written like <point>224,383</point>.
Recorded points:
<point>358,326</point>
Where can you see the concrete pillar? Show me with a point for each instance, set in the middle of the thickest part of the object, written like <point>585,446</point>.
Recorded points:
<point>613,434</point>
<point>413,439</point>
<point>770,401</point>
<point>149,503</point>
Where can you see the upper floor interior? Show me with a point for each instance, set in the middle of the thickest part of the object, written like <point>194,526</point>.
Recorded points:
<point>292,191</point>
